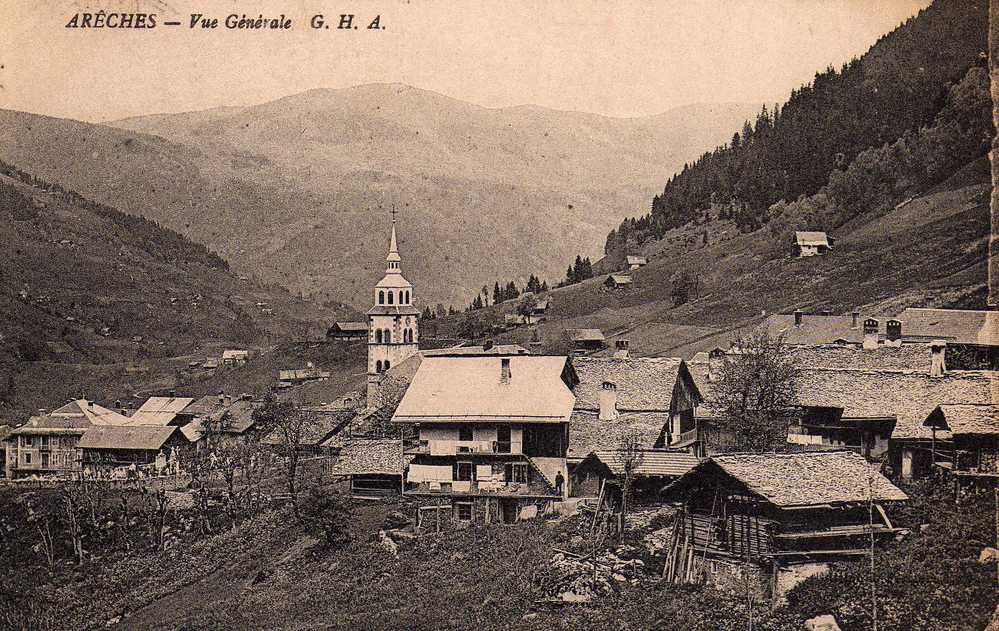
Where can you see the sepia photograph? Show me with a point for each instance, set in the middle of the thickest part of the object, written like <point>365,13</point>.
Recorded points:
<point>475,315</point>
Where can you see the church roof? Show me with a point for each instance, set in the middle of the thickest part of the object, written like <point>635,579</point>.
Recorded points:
<point>394,310</point>
<point>393,280</point>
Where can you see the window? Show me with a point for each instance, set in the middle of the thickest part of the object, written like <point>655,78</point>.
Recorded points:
<point>516,473</point>
<point>45,441</point>
<point>378,366</point>
<point>387,336</point>
<point>45,461</point>
<point>390,297</point>
<point>381,297</point>
<point>465,433</point>
<point>388,364</point>
<point>378,336</point>
<point>463,511</point>
<point>27,458</point>
<point>503,439</point>
<point>26,441</point>
<point>464,473</point>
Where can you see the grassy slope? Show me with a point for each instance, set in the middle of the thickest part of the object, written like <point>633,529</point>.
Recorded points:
<point>929,251</point>
<point>269,574</point>
<point>76,264</point>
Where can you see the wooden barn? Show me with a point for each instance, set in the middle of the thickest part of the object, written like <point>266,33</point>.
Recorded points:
<point>375,468</point>
<point>651,468</point>
<point>966,440</point>
<point>775,518</point>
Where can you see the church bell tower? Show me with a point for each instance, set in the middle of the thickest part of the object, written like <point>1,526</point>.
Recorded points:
<point>393,322</point>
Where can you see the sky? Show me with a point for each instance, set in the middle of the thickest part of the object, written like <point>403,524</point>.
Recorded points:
<point>611,57</point>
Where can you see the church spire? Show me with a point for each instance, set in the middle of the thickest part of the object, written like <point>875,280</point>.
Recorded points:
<point>393,259</point>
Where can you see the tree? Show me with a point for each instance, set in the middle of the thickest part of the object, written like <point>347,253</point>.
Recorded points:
<point>497,294</point>
<point>328,514</point>
<point>685,286</point>
<point>289,427</point>
<point>629,457</point>
<point>527,305</point>
<point>756,393</point>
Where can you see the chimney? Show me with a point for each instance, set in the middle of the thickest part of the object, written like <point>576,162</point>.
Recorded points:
<point>716,358</point>
<point>90,404</point>
<point>221,397</point>
<point>798,314</point>
<point>117,404</point>
<point>893,333</point>
<point>505,370</point>
<point>173,393</point>
<point>938,365</point>
<point>488,346</point>
<point>871,334</point>
<point>621,349</point>
<point>856,318</point>
<point>608,401</point>
<point>42,411</point>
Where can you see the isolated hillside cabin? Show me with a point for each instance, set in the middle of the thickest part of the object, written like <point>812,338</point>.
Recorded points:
<point>965,440</point>
<point>771,518</point>
<point>492,432</point>
<point>111,446</point>
<point>163,411</point>
<point>634,262</point>
<point>343,330</point>
<point>651,470</point>
<point>618,398</point>
<point>880,413</point>
<point>375,468</point>
<point>48,444</point>
<point>586,339</point>
<point>618,281</point>
<point>540,308</point>
<point>303,375</point>
<point>235,357</point>
<point>211,363</point>
<point>811,243</point>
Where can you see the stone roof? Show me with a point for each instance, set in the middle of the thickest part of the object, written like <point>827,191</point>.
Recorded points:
<point>240,418</point>
<point>643,383</point>
<point>470,389</point>
<point>906,357</point>
<point>653,463</point>
<point>318,428</point>
<point>585,335</point>
<point>982,419</point>
<point>816,329</point>
<point>587,433</point>
<point>960,326</point>
<point>351,326</point>
<point>799,480</point>
<point>132,437</point>
<point>91,412</point>
<point>620,279</point>
<point>399,310</point>
<point>632,259</point>
<point>908,396</point>
<point>53,424</point>
<point>366,456</point>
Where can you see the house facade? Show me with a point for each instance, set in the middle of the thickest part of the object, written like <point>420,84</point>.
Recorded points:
<point>965,441</point>
<point>492,434</point>
<point>811,243</point>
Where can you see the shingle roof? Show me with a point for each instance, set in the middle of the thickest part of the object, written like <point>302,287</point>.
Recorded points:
<point>353,327</point>
<point>462,389</point>
<point>240,419</point>
<point>393,310</point>
<point>160,410</point>
<point>811,238</point>
<point>953,325</point>
<point>636,260</point>
<point>585,335</point>
<point>235,354</point>
<point>643,383</point>
<point>815,329</point>
<point>53,424</point>
<point>133,437</point>
<point>812,478</point>
<point>907,395</point>
<point>699,373</point>
<point>300,374</point>
<point>497,349</point>
<point>587,433</point>
<point>654,462</point>
<point>318,428</point>
<point>620,279</point>
<point>960,419</point>
<point>365,457</point>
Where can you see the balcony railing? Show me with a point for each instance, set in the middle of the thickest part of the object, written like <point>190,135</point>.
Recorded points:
<point>683,437</point>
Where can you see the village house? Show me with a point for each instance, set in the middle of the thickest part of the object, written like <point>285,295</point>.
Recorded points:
<point>163,411</point>
<point>618,281</point>
<point>584,340</point>
<point>492,433</point>
<point>373,467</point>
<point>302,375</point>
<point>235,357</point>
<point>315,436</point>
<point>768,520</point>
<point>48,444</point>
<point>965,440</point>
<point>651,470</point>
<point>811,243</point>
<point>227,419</point>
<point>150,448</point>
<point>345,330</point>
<point>618,398</point>
<point>634,261</point>
<point>972,337</point>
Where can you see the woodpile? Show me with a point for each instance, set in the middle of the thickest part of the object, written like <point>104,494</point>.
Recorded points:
<point>584,577</point>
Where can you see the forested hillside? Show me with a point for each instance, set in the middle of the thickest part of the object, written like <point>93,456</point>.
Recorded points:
<point>831,131</point>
